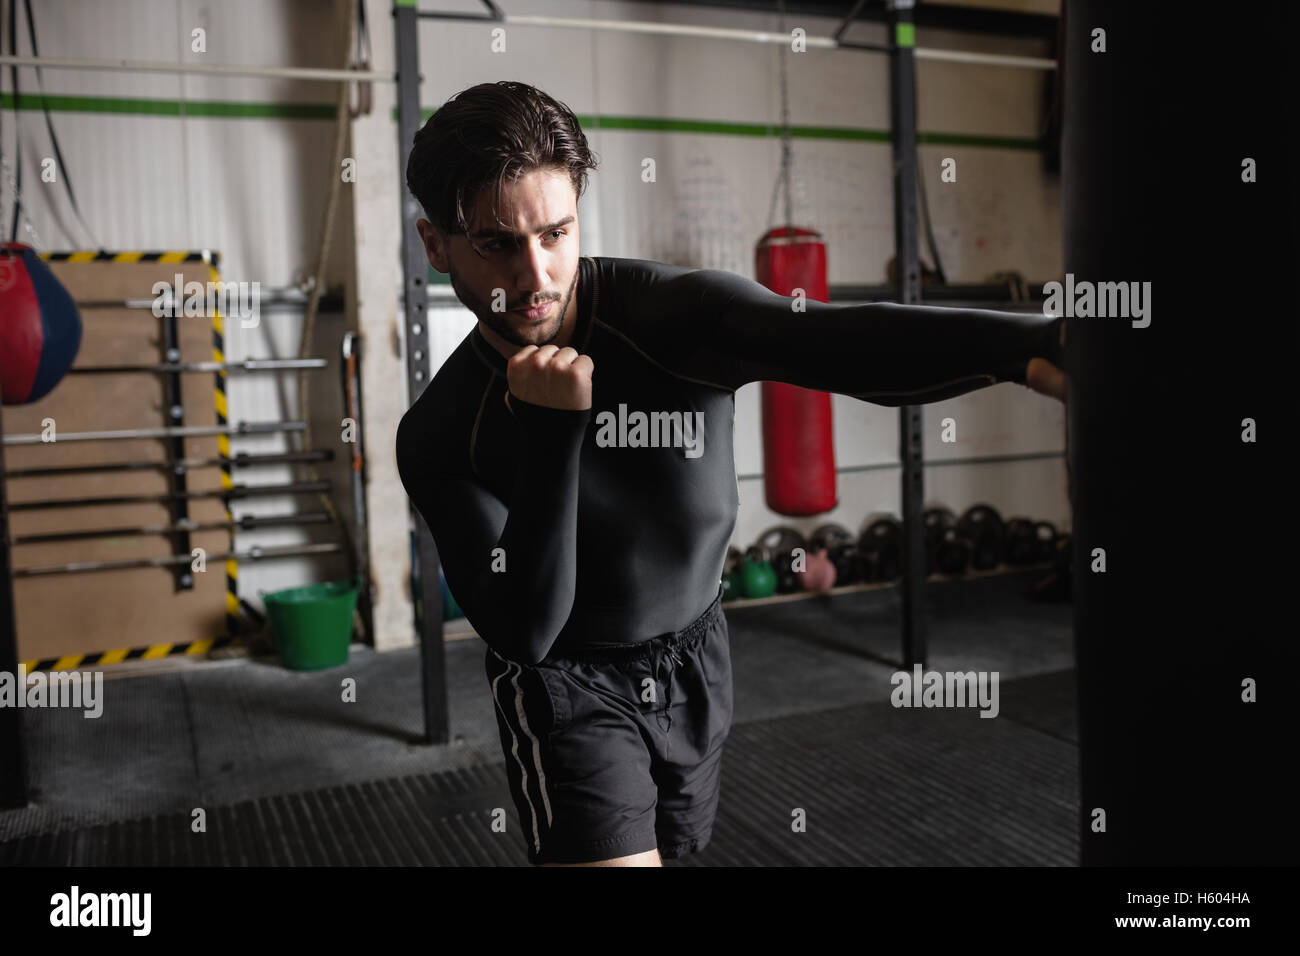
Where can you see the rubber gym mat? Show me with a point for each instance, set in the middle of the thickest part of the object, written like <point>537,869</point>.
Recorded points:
<point>859,785</point>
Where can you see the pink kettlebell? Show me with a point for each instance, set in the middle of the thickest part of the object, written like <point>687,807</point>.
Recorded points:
<point>820,573</point>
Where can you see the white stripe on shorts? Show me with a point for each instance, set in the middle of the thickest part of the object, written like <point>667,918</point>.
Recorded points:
<point>514,669</point>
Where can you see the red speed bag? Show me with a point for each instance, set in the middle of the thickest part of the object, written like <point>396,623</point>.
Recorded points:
<point>798,441</point>
<point>40,327</point>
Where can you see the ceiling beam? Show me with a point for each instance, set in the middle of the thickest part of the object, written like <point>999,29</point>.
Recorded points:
<point>939,16</point>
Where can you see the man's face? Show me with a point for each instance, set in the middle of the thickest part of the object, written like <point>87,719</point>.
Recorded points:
<point>527,260</point>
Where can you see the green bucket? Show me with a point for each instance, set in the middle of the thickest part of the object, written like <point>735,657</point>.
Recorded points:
<point>313,624</point>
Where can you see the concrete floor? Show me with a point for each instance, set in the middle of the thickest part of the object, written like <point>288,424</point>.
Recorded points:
<point>230,731</point>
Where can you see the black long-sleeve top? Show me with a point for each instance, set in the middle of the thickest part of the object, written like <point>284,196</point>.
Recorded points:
<point>552,538</point>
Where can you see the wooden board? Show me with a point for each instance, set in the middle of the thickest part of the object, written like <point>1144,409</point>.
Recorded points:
<point>89,612</point>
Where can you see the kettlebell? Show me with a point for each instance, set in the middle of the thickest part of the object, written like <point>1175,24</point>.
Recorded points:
<point>758,577</point>
<point>820,575</point>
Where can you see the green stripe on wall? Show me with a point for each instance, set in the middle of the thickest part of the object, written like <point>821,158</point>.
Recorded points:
<point>148,107</point>
<point>653,124</point>
<point>325,111</point>
<point>662,125</point>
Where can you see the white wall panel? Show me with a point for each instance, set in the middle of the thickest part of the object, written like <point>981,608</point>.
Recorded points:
<point>254,188</point>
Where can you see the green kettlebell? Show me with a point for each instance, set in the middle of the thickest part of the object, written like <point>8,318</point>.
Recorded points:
<point>758,577</point>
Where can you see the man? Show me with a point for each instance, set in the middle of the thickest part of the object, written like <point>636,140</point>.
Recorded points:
<point>585,542</point>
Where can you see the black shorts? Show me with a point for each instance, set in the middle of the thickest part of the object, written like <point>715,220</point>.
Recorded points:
<point>619,750</point>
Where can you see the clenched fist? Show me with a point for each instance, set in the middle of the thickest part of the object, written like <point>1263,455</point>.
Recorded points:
<point>1045,378</point>
<point>551,377</point>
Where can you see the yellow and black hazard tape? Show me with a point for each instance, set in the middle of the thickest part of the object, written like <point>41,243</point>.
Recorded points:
<point>101,255</point>
<point>101,658</point>
<point>213,260</point>
<point>223,445</point>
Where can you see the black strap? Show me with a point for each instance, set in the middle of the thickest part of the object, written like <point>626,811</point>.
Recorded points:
<point>18,126</point>
<point>49,122</point>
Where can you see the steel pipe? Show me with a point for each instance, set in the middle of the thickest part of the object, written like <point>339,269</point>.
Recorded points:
<point>745,36</point>
<point>247,365</point>
<point>935,462</point>
<point>184,431</point>
<point>241,460</point>
<point>246,523</point>
<point>308,73</point>
<point>233,493</point>
<point>253,554</point>
<point>985,59</point>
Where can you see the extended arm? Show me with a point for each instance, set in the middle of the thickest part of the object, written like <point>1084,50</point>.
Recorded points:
<point>722,328</point>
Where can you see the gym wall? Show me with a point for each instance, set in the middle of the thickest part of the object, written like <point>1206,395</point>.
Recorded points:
<point>710,205</point>
<point>236,165</point>
<point>161,162</point>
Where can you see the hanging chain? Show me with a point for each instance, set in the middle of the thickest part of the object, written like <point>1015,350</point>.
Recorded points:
<point>787,154</point>
<point>13,186</point>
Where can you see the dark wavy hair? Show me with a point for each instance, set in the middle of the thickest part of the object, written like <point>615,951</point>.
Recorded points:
<point>487,134</point>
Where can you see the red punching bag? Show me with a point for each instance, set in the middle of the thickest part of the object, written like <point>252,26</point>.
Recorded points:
<point>798,441</point>
<point>40,327</point>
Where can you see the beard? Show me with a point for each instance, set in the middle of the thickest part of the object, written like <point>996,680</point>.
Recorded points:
<point>500,322</point>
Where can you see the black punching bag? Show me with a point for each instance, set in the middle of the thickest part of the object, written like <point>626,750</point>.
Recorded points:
<point>1186,640</point>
